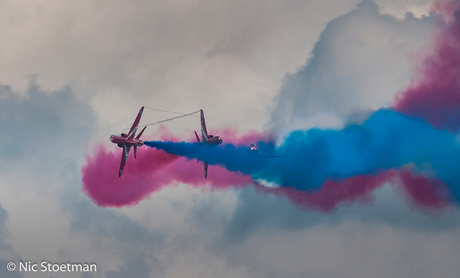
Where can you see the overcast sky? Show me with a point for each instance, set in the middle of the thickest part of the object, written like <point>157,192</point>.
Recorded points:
<point>74,72</point>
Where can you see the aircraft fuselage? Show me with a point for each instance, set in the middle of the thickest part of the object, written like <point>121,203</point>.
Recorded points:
<point>121,140</point>
<point>212,141</point>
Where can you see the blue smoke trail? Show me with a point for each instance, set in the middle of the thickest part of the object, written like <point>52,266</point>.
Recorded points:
<point>386,140</point>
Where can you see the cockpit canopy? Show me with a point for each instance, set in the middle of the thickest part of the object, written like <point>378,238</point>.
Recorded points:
<point>124,135</point>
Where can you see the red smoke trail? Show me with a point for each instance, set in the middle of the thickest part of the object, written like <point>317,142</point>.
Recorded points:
<point>154,169</point>
<point>140,178</point>
<point>434,92</point>
<point>150,172</point>
<point>335,193</point>
<point>424,192</point>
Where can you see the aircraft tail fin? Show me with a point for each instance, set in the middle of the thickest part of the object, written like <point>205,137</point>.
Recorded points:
<point>135,151</point>
<point>140,133</point>
<point>204,131</point>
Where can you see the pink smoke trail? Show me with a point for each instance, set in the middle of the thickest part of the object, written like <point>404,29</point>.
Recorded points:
<point>140,178</point>
<point>150,172</point>
<point>434,92</point>
<point>153,170</point>
<point>336,192</point>
<point>423,191</point>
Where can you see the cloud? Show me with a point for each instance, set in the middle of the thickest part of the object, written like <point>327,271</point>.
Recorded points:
<point>42,126</point>
<point>6,248</point>
<point>137,247</point>
<point>359,62</point>
<point>232,51</point>
<point>42,132</point>
<point>51,129</point>
<point>399,8</point>
<point>271,237</point>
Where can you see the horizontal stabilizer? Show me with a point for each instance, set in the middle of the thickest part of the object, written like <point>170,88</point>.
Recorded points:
<point>140,133</point>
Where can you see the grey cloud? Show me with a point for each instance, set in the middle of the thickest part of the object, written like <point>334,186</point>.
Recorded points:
<point>266,234</point>
<point>3,232</point>
<point>135,266</point>
<point>139,50</point>
<point>260,213</point>
<point>42,129</point>
<point>137,245</point>
<point>41,132</point>
<point>47,133</point>
<point>3,217</point>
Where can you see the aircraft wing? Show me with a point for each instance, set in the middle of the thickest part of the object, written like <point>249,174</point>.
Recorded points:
<point>204,131</point>
<point>124,157</point>
<point>132,131</point>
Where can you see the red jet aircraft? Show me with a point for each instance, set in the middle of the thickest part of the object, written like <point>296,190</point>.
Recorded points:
<point>126,141</point>
<point>206,140</point>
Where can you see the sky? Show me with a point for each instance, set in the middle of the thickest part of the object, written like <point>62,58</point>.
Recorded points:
<point>75,72</point>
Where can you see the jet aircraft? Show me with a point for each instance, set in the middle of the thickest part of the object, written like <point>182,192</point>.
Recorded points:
<point>126,141</point>
<point>254,151</point>
<point>207,140</point>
